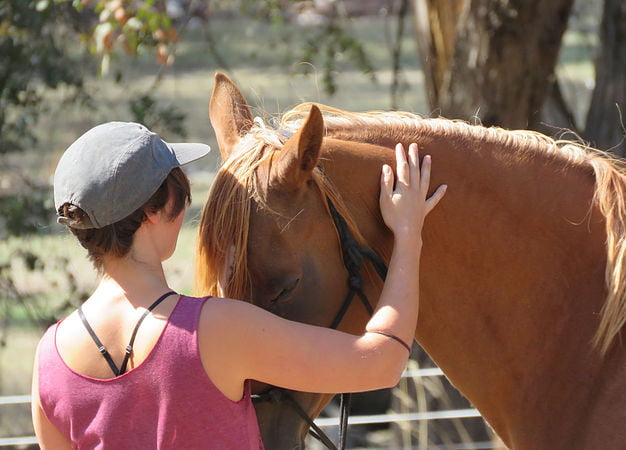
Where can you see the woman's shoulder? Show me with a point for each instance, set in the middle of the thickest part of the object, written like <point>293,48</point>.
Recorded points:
<point>63,326</point>
<point>214,309</point>
<point>228,318</point>
<point>48,337</point>
<point>219,308</point>
<point>192,298</point>
<point>46,352</point>
<point>69,327</point>
<point>194,305</point>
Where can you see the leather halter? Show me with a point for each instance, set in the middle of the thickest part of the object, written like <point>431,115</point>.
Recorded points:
<point>353,258</point>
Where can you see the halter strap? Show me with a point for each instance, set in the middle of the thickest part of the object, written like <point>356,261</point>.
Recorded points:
<point>353,258</point>
<point>129,348</point>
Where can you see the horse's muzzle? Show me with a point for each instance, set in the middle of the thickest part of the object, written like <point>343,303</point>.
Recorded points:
<point>281,427</point>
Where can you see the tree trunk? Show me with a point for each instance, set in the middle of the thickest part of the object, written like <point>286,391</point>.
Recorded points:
<point>605,120</point>
<point>556,114</point>
<point>435,24</point>
<point>501,59</point>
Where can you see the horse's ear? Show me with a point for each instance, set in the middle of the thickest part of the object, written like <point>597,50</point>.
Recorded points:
<point>301,152</point>
<point>229,113</point>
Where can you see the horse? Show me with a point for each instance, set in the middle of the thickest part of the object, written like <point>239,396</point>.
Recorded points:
<point>522,288</point>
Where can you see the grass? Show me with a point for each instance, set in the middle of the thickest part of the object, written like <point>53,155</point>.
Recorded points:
<point>260,63</point>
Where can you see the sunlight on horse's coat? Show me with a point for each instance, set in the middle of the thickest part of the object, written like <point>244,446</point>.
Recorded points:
<point>256,146</point>
<point>522,281</point>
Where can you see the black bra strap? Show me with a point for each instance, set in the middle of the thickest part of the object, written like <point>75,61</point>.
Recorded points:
<point>129,347</point>
<point>101,348</point>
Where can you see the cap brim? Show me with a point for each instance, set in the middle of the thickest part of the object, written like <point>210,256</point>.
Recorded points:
<point>188,152</point>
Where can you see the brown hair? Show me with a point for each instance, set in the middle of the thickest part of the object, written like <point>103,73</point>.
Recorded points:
<point>117,238</point>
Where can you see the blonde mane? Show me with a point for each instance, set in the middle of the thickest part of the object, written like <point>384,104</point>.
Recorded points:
<point>236,184</point>
<point>221,256</point>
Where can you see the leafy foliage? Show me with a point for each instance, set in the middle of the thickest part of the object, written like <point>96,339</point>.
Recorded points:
<point>35,308</point>
<point>32,58</point>
<point>24,213</point>
<point>131,25</point>
<point>36,54</point>
<point>329,44</point>
<point>145,110</point>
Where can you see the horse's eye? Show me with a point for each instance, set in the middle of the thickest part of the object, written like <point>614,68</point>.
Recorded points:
<point>285,293</point>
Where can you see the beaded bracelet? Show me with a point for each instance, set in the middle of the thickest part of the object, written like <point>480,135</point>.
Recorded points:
<point>392,336</point>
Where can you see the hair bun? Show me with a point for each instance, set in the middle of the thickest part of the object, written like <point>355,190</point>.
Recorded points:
<point>72,216</point>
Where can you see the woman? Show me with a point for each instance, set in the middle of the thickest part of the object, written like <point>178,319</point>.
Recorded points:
<point>126,371</point>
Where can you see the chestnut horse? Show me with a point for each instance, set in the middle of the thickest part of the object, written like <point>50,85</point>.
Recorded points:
<point>522,299</point>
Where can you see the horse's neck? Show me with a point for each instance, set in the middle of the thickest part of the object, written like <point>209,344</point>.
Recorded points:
<point>511,273</point>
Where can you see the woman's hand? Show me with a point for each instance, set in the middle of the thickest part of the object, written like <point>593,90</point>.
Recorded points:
<point>405,207</point>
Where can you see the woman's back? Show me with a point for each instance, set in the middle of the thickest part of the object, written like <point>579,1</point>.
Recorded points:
<point>166,401</point>
<point>112,315</point>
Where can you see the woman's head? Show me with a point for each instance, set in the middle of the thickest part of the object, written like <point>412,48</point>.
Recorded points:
<point>116,239</point>
<point>113,176</point>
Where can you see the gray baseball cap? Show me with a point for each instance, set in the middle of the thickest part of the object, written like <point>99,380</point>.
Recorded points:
<point>113,169</point>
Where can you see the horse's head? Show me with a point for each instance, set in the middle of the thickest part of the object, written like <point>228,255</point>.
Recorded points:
<point>266,235</point>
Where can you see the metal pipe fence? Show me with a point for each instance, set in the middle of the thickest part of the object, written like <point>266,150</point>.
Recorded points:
<point>322,422</point>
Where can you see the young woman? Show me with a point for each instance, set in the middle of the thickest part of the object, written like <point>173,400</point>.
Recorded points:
<point>126,371</point>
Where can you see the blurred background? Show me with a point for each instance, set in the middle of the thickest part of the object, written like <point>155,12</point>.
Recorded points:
<point>556,66</point>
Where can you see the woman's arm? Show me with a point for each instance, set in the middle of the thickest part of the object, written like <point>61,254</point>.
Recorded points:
<point>241,341</point>
<point>48,435</point>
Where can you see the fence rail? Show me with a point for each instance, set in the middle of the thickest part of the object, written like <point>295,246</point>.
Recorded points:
<point>14,441</point>
<point>400,417</point>
<point>14,400</point>
<point>322,422</point>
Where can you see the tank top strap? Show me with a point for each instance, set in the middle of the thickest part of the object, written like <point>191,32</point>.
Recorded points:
<point>49,363</point>
<point>47,351</point>
<point>182,328</point>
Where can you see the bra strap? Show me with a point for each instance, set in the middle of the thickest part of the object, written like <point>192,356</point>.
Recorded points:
<point>129,347</point>
<point>101,348</point>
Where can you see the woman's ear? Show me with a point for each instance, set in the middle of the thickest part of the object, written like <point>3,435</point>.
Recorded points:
<point>156,217</point>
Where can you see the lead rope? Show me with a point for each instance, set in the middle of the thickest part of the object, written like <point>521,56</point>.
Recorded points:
<point>277,395</point>
<point>344,413</point>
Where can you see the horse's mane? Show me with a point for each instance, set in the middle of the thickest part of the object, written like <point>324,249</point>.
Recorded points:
<point>235,184</point>
<point>223,231</point>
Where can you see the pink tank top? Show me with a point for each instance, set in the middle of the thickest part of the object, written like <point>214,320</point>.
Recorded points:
<point>167,402</point>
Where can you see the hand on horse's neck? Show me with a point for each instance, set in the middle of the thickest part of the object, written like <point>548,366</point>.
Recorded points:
<point>496,277</point>
<point>501,282</point>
